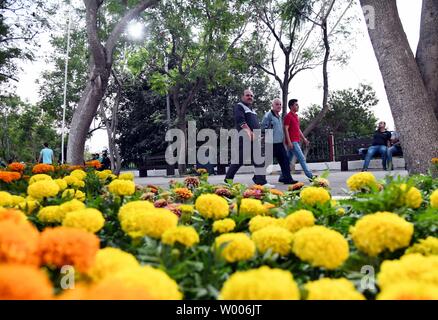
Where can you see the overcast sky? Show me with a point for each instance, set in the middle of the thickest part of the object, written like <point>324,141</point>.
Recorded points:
<point>307,86</point>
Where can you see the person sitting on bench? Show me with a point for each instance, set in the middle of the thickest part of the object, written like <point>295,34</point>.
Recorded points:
<point>394,149</point>
<point>380,144</point>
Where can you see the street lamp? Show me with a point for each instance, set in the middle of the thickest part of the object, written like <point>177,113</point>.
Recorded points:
<point>65,89</point>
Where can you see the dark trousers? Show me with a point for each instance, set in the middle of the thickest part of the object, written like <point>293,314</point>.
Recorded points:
<point>279,153</point>
<point>232,170</point>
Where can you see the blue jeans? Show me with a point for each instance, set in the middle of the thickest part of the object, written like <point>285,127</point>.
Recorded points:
<point>391,151</point>
<point>298,153</point>
<point>383,150</point>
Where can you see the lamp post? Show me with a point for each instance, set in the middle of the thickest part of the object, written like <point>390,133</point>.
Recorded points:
<point>65,90</point>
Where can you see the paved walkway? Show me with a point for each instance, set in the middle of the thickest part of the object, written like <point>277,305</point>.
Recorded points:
<point>337,179</point>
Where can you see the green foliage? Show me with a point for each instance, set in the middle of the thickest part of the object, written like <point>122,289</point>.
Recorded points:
<point>24,129</point>
<point>349,116</point>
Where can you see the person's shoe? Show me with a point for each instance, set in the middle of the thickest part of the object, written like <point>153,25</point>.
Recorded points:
<point>287,182</point>
<point>226,182</point>
<point>268,185</point>
<point>363,170</point>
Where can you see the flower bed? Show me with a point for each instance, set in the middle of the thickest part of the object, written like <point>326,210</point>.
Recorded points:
<point>200,241</point>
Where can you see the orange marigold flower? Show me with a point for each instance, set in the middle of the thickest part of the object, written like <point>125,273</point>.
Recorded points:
<point>75,167</point>
<point>183,193</point>
<point>152,188</point>
<point>191,182</point>
<point>277,192</point>
<point>9,176</point>
<point>93,164</point>
<point>13,215</point>
<point>69,246</point>
<point>19,282</point>
<point>435,160</point>
<point>43,168</point>
<point>19,243</point>
<point>16,166</point>
<point>116,289</point>
<point>257,187</point>
<point>296,186</point>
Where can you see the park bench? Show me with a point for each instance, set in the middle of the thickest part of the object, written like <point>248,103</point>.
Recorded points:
<point>356,149</point>
<point>153,163</point>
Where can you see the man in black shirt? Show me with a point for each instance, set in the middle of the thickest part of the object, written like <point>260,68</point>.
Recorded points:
<point>381,142</point>
<point>245,118</point>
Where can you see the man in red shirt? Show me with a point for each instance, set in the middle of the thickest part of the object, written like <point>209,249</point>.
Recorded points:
<point>293,135</point>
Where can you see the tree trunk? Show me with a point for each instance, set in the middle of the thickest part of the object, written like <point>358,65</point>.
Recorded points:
<point>83,116</point>
<point>427,50</point>
<point>410,103</point>
<point>101,60</point>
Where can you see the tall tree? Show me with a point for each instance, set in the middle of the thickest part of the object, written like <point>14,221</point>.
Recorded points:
<point>427,50</point>
<point>99,69</point>
<point>349,115</point>
<point>411,105</point>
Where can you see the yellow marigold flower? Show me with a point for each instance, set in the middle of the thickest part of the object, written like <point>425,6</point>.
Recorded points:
<point>12,214</point>
<point>109,261</point>
<point>332,289</point>
<point>426,247</point>
<point>75,194</point>
<point>412,198</point>
<point>62,246</point>
<point>235,246</point>
<point>16,200</point>
<point>6,199</point>
<point>183,193</point>
<point>187,236</point>
<point>361,181</point>
<point>212,206</point>
<point>39,177</point>
<point>434,199</point>
<point>381,231</point>
<point>298,220</point>
<point>259,222</point>
<point>152,223</point>
<point>314,195</point>
<point>74,181</point>
<point>252,207</point>
<point>79,174</point>
<point>28,206</point>
<point>277,239</point>
<point>263,283</point>
<point>127,176</point>
<point>186,208</point>
<point>18,242</point>
<point>72,205</point>
<point>224,225</point>
<point>154,281</point>
<point>51,214</point>
<point>61,184</point>
<point>88,219</point>
<point>321,247</point>
<point>122,187</point>
<point>277,192</point>
<point>138,205</point>
<point>102,174</point>
<point>410,267</point>
<point>43,189</point>
<point>20,282</point>
<point>409,290</point>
